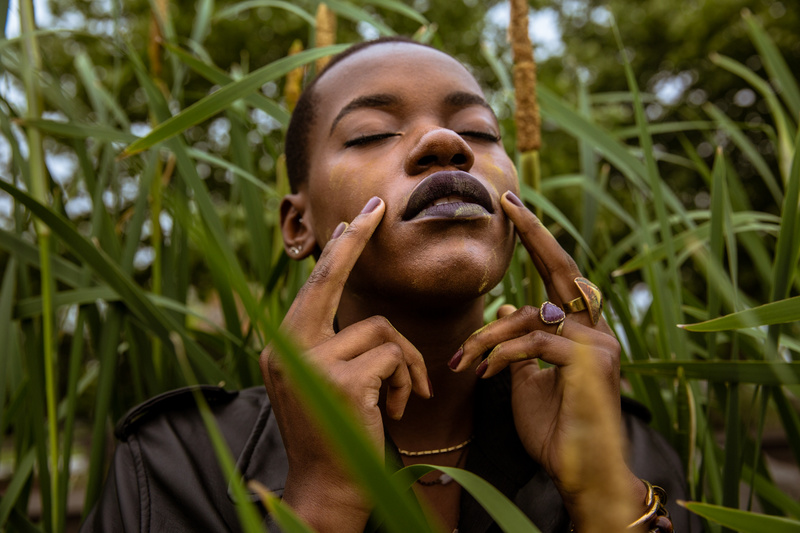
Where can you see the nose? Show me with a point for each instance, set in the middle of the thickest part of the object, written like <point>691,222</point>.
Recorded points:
<point>439,147</point>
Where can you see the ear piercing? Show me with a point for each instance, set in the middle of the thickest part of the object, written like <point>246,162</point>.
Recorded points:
<point>295,250</point>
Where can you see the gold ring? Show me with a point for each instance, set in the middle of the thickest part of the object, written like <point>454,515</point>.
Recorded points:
<point>560,327</point>
<point>591,299</point>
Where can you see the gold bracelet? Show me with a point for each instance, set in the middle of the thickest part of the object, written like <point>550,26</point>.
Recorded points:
<point>656,517</point>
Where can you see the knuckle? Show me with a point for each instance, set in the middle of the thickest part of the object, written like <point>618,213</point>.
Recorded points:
<point>321,274</point>
<point>539,340</point>
<point>380,324</point>
<point>394,351</point>
<point>528,312</point>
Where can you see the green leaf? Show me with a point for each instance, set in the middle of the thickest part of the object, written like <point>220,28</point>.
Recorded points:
<point>75,130</point>
<point>216,75</point>
<point>779,312</point>
<point>779,72</point>
<point>281,512</point>
<point>107,269</point>
<point>235,9</point>
<point>500,508</point>
<point>356,14</point>
<point>22,472</point>
<point>219,100</point>
<point>400,8</point>
<point>743,521</point>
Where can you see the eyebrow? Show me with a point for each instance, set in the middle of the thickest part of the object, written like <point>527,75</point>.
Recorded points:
<point>464,99</point>
<point>370,101</point>
<point>458,99</point>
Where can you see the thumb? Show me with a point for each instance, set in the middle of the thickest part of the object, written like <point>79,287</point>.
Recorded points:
<point>505,310</point>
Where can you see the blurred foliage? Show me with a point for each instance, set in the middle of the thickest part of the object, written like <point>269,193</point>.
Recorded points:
<point>182,237</point>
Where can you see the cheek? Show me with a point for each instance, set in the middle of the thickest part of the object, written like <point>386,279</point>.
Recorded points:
<point>500,170</point>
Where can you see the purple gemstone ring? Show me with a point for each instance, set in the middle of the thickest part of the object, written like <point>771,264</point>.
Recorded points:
<point>551,314</point>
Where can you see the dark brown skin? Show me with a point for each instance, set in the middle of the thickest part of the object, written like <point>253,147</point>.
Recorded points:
<point>408,295</point>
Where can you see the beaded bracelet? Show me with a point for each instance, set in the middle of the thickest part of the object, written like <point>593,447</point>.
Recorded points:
<point>656,518</point>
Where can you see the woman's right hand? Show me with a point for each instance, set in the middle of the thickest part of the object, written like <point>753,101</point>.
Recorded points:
<point>358,360</point>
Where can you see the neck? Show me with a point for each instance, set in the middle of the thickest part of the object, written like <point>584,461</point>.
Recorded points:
<point>445,419</point>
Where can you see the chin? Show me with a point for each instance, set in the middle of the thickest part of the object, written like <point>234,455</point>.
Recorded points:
<point>446,281</point>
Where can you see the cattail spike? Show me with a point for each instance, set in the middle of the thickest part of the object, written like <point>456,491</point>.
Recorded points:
<point>294,79</point>
<point>326,31</point>
<point>527,108</point>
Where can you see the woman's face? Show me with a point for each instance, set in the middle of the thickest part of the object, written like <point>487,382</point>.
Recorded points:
<point>409,124</point>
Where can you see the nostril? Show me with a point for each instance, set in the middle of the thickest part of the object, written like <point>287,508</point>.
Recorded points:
<point>427,160</point>
<point>458,159</point>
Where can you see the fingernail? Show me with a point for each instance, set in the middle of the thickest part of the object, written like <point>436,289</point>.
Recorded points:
<point>339,230</point>
<point>373,203</point>
<point>514,199</point>
<point>481,370</point>
<point>430,388</point>
<point>456,359</point>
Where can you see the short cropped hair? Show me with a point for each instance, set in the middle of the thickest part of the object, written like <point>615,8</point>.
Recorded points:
<point>297,146</point>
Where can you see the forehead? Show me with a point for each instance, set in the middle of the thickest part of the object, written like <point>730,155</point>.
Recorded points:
<point>403,69</point>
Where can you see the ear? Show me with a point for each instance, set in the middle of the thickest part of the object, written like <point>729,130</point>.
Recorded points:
<point>296,226</point>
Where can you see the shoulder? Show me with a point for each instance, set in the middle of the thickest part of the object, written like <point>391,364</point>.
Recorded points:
<point>179,407</point>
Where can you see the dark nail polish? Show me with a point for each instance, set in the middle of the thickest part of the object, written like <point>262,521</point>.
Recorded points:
<point>430,387</point>
<point>481,370</point>
<point>373,203</point>
<point>514,199</point>
<point>456,359</point>
<point>339,230</point>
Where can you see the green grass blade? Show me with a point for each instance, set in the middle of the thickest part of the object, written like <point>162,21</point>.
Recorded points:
<point>787,250</point>
<point>549,209</point>
<point>499,69</point>
<point>356,14</point>
<point>235,169</point>
<point>399,8</point>
<point>746,146</point>
<point>280,512</point>
<point>783,123</point>
<point>500,508</point>
<point>219,100</point>
<point>107,269</point>
<point>776,66</point>
<point>347,438</point>
<point>22,472</point>
<point>743,521</point>
<point>216,75</point>
<point>235,9</point>
<point>779,312</point>
<point>76,130</point>
<point>249,518</point>
<point>202,21</point>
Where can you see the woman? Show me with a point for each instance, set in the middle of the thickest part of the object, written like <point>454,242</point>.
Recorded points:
<point>403,190</point>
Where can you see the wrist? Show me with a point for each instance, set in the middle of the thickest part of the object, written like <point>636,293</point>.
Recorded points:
<point>327,505</point>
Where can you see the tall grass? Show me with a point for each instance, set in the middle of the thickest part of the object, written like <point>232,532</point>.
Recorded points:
<point>80,308</point>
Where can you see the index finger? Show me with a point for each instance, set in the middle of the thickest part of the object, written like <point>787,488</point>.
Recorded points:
<point>556,267</point>
<point>319,297</point>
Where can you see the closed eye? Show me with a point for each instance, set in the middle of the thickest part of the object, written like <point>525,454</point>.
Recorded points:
<point>367,139</point>
<point>482,135</point>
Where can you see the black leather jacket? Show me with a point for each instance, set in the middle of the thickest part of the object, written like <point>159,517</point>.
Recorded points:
<point>165,477</point>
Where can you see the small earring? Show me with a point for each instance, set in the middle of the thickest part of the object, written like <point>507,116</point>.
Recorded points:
<point>294,250</point>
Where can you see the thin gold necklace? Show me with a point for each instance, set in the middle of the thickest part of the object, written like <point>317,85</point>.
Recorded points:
<point>438,451</point>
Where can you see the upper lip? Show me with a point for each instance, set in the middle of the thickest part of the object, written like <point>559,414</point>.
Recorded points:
<point>447,183</point>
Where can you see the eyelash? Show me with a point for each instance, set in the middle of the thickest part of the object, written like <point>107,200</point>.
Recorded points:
<point>485,136</point>
<point>366,139</point>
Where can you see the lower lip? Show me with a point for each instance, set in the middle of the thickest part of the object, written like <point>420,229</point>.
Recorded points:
<point>454,210</point>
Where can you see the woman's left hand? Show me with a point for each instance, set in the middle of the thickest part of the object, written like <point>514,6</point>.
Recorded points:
<point>546,402</point>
